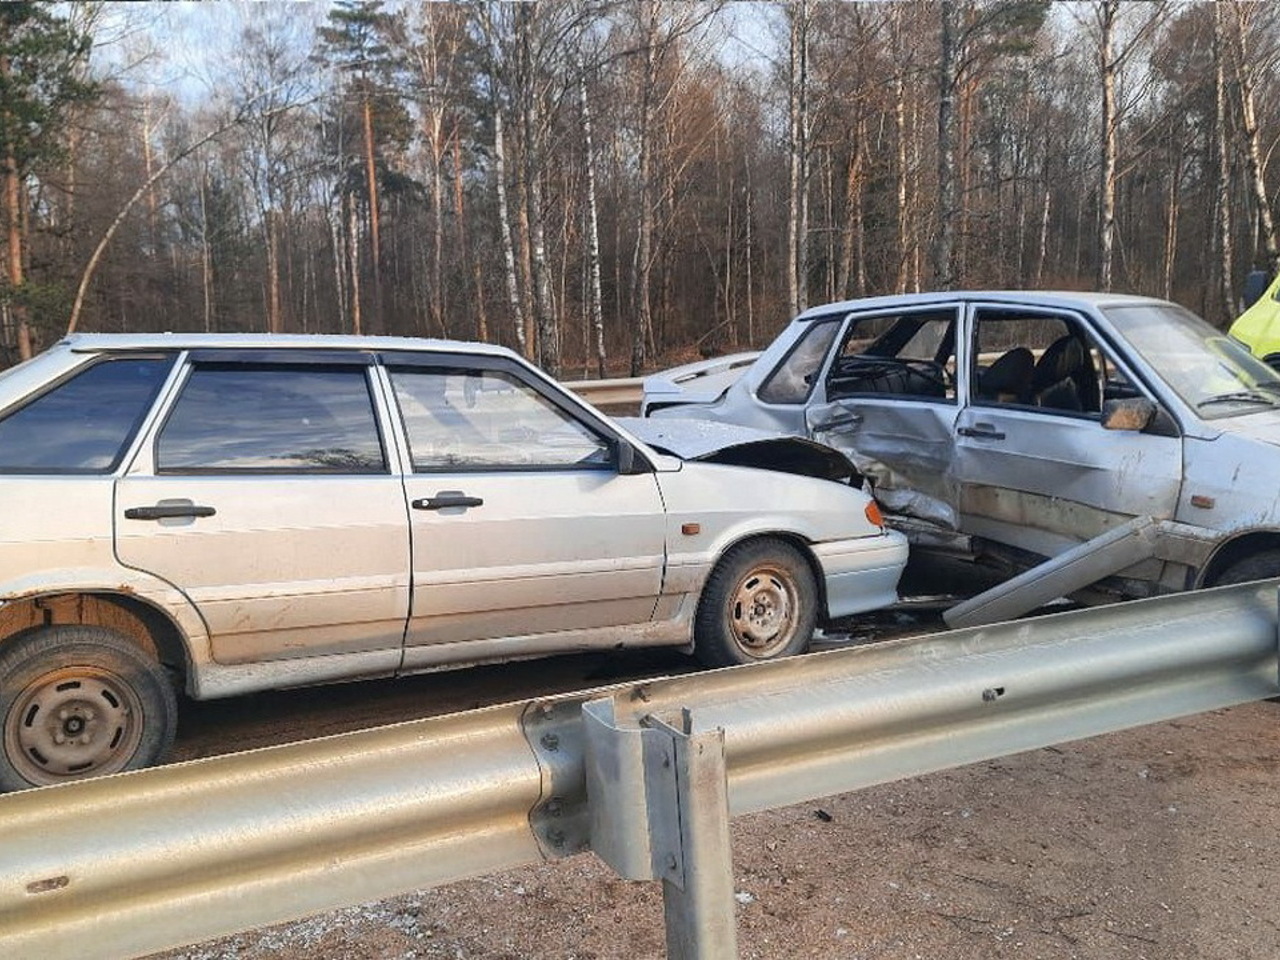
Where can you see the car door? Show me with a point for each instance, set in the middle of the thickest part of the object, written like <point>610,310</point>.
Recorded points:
<point>888,398</point>
<point>1036,467</point>
<point>266,495</point>
<point>522,523</point>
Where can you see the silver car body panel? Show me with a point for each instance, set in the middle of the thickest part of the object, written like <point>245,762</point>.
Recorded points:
<point>293,579</point>
<point>1041,483</point>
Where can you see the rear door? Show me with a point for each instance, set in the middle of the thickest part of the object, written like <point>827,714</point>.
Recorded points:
<point>266,495</point>
<point>522,523</point>
<point>888,398</point>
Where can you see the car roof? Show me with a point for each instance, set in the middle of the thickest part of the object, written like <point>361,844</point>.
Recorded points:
<point>114,342</point>
<point>1047,298</point>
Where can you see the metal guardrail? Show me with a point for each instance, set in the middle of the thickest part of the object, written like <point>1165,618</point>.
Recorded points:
<point>645,774</point>
<point>608,393</point>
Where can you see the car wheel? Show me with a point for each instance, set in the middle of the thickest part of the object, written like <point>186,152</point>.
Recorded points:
<point>77,702</point>
<point>760,603</point>
<point>1262,565</point>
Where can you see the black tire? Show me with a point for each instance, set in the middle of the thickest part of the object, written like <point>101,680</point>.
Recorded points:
<point>760,603</point>
<point>1262,565</point>
<point>79,702</point>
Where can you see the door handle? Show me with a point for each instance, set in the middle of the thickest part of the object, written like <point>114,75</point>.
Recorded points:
<point>982,432</point>
<point>168,511</point>
<point>447,499</point>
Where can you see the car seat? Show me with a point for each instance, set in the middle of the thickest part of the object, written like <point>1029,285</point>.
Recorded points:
<point>1064,378</point>
<point>1008,379</point>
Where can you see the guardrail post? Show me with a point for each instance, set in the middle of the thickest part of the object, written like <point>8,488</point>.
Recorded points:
<point>658,802</point>
<point>698,900</point>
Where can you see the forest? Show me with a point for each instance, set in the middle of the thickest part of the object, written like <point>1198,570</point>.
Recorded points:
<point>609,186</point>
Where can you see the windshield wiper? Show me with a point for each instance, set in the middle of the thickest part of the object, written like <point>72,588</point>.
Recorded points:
<point>1240,396</point>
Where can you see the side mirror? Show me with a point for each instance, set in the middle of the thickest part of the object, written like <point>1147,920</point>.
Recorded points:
<point>1135,413</point>
<point>627,461</point>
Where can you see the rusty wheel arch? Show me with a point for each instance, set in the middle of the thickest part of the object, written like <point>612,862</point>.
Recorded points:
<point>140,622</point>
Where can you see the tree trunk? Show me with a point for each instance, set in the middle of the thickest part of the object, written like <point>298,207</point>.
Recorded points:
<point>644,241</point>
<point>748,238</point>
<point>504,222</point>
<point>336,233</point>
<point>459,212</point>
<point>1253,150</point>
<point>595,299</point>
<point>13,214</point>
<point>435,295</point>
<point>1222,202</point>
<point>900,178</point>
<point>274,324</point>
<point>375,226</point>
<point>353,265</point>
<point>948,68</point>
<point>1107,13</point>
<point>797,166</point>
<point>1171,225</point>
<point>206,251</point>
<point>547,327</point>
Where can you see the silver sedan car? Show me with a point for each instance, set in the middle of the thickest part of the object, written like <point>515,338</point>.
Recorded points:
<point>224,514</point>
<point>1022,431</point>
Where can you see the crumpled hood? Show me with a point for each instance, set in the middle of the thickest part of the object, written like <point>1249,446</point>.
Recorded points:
<point>736,445</point>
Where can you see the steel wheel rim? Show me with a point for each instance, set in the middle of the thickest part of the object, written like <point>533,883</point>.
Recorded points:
<point>72,723</point>
<point>762,611</point>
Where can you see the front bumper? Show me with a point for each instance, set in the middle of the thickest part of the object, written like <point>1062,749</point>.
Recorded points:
<point>862,574</point>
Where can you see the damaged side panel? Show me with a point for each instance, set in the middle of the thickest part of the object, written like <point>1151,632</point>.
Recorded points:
<point>906,449</point>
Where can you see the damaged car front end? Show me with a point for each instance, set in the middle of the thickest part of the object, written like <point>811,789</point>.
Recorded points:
<point>1013,428</point>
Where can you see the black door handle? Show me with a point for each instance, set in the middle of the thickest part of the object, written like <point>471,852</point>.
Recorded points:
<point>443,500</point>
<point>984,433</point>
<point>168,511</point>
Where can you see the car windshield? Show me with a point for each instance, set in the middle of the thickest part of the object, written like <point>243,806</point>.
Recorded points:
<point>1213,374</point>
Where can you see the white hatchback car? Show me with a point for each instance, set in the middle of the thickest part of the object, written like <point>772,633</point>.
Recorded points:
<point>233,513</point>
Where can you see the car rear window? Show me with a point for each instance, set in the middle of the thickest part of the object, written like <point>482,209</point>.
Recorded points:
<point>84,424</point>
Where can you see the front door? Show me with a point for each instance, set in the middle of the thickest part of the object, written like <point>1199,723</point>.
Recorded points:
<point>1036,467</point>
<point>267,497</point>
<point>522,524</point>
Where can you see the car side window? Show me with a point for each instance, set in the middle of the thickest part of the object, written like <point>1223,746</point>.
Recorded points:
<point>269,418</point>
<point>483,419</point>
<point>84,424</point>
<point>793,379</point>
<point>908,355</point>
<point>1042,361</point>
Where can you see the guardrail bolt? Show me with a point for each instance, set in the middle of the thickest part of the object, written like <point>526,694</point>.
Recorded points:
<point>991,694</point>
<point>555,838</point>
<point>551,741</point>
<point>554,807</point>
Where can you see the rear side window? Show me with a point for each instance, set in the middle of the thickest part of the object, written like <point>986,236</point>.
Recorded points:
<point>84,424</point>
<point>272,419</point>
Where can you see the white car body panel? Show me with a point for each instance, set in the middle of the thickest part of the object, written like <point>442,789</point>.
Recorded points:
<point>314,577</point>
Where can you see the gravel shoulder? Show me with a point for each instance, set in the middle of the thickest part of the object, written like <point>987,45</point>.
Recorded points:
<point>1158,842</point>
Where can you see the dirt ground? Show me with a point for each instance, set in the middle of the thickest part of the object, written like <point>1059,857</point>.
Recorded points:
<point>1159,842</point>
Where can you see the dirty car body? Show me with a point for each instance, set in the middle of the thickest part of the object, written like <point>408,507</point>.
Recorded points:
<point>237,513</point>
<point>1012,427</point>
